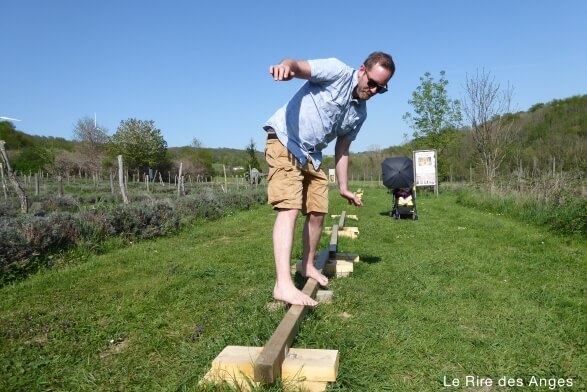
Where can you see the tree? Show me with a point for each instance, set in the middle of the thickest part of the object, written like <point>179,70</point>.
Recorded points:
<point>487,107</point>
<point>93,140</point>
<point>252,162</point>
<point>140,143</point>
<point>434,111</point>
<point>201,160</point>
<point>436,117</point>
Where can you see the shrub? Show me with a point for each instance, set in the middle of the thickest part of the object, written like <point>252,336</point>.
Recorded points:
<point>27,241</point>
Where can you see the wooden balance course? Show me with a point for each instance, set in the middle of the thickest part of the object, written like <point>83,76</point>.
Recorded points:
<point>298,369</point>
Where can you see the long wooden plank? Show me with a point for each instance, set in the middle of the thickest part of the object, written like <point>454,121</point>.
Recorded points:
<point>333,242</point>
<point>341,220</point>
<point>269,361</point>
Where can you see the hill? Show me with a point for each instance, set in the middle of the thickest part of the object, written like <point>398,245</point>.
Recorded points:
<point>549,137</point>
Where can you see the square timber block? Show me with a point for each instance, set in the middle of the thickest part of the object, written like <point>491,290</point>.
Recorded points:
<point>338,268</point>
<point>235,366</point>
<point>348,257</point>
<point>347,232</point>
<point>324,296</point>
<point>353,217</point>
<point>238,361</point>
<point>310,365</point>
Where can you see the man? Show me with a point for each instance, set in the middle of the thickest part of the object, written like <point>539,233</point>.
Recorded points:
<point>330,105</point>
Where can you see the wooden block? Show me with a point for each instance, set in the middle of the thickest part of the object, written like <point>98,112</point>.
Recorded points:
<point>349,234</point>
<point>269,361</point>
<point>243,384</point>
<point>310,364</point>
<point>348,257</point>
<point>236,360</point>
<point>353,217</point>
<point>350,228</point>
<point>338,268</point>
<point>324,296</point>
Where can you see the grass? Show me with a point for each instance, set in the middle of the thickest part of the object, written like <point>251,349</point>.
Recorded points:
<point>458,293</point>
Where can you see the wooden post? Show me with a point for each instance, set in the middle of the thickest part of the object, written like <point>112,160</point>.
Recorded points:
<point>179,179</point>
<point>3,181</point>
<point>59,185</point>
<point>24,207</point>
<point>121,180</point>
<point>111,182</point>
<point>37,183</point>
<point>225,183</point>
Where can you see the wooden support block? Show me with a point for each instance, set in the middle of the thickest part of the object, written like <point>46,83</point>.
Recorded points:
<point>353,217</point>
<point>347,232</point>
<point>338,268</point>
<point>243,384</point>
<point>236,360</point>
<point>310,365</point>
<point>269,361</point>
<point>324,296</point>
<point>348,257</point>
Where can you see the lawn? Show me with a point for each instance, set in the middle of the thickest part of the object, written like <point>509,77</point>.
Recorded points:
<point>457,297</point>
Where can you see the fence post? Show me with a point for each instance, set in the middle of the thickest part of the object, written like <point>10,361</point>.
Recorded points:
<point>24,207</point>
<point>121,180</point>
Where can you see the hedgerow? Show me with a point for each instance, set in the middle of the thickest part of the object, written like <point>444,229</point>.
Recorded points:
<point>29,241</point>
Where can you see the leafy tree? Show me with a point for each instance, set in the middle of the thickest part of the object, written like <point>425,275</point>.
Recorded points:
<point>252,162</point>
<point>436,117</point>
<point>13,138</point>
<point>140,143</point>
<point>434,111</point>
<point>31,159</point>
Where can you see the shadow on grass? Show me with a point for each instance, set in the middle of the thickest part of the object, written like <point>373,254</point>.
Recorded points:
<point>370,259</point>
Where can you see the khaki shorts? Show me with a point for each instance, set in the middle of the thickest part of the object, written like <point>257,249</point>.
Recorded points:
<point>291,185</point>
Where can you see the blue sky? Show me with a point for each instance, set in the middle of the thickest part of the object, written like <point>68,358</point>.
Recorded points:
<point>199,69</point>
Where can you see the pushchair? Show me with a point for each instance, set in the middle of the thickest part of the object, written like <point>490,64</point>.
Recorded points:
<point>398,177</point>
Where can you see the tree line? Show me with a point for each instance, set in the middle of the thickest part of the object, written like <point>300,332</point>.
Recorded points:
<point>477,138</point>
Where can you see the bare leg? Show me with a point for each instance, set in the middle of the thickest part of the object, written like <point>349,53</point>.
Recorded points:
<point>312,232</point>
<point>283,236</point>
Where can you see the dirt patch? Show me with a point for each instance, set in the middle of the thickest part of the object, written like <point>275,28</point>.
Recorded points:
<point>115,346</point>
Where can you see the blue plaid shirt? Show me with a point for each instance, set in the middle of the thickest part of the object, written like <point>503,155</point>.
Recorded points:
<point>322,110</point>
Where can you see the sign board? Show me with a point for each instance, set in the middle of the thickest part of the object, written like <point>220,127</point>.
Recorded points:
<point>425,168</point>
<point>332,175</point>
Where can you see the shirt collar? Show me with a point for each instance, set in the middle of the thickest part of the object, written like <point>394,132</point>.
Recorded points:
<point>354,84</point>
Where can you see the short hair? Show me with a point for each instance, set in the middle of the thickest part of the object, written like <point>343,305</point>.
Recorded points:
<point>381,58</point>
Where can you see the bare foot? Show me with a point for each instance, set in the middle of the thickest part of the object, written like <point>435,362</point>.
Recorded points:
<point>312,272</point>
<point>292,295</point>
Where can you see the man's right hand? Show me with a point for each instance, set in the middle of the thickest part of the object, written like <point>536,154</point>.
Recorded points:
<point>281,72</point>
<point>353,198</point>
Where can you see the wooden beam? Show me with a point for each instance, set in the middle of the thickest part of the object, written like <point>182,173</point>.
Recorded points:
<point>269,361</point>
<point>333,242</point>
<point>342,219</point>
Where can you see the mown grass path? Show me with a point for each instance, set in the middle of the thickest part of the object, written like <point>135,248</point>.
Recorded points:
<point>457,293</point>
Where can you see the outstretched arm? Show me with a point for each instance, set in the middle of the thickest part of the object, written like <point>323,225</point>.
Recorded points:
<point>341,156</point>
<point>290,68</point>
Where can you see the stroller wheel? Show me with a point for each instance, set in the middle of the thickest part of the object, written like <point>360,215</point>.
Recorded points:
<point>415,217</point>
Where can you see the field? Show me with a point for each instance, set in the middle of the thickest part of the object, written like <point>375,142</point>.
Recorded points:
<point>459,296</point>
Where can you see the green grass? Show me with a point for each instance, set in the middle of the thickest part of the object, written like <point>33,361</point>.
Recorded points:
<point>457,293</point>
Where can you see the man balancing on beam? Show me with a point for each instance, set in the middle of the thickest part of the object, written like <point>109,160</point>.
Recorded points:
<point>330,105</point>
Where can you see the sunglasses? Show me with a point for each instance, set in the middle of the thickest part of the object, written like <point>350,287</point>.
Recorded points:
<point>374,85</point>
